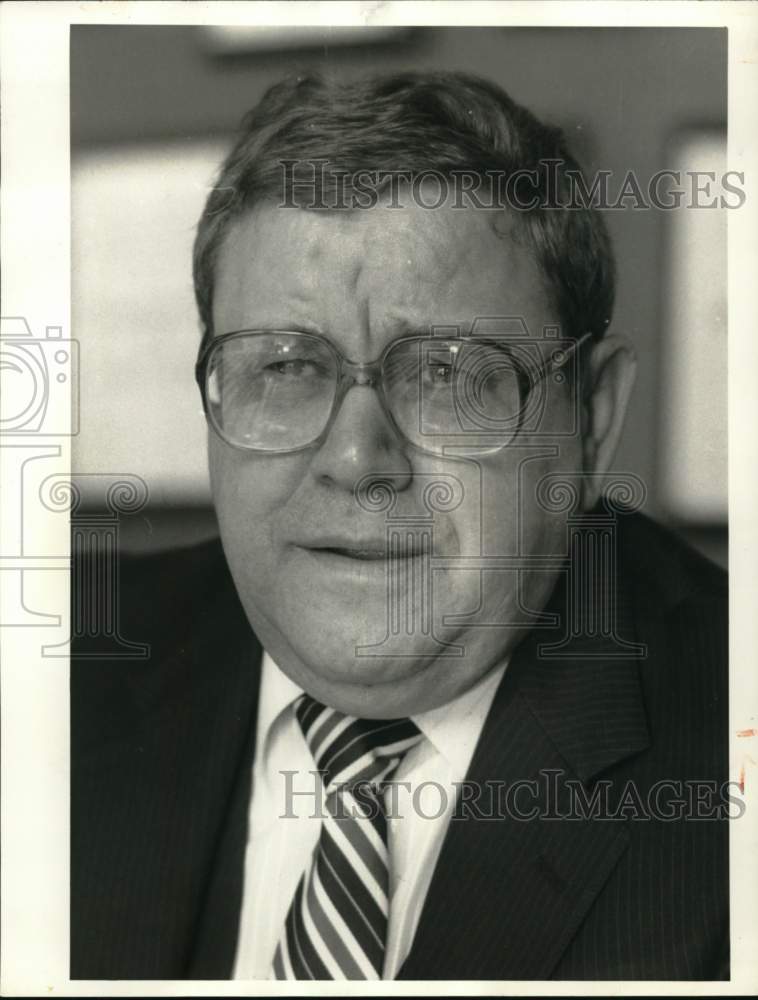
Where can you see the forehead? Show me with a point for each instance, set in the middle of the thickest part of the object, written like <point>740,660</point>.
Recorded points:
<point>376,273</point>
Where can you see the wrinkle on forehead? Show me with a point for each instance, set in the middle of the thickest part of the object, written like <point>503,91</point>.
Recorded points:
<point>439,249</point>
<point>424,262</point>
<point>350,253</point>
<point>367,275</point>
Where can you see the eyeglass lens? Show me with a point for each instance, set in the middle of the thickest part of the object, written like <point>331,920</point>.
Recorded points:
<point>276,391</point>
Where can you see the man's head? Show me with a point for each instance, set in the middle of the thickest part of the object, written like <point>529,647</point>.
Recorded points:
<point>363,605</point>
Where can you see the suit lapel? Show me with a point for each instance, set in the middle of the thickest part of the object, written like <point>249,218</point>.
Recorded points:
<point>215,944</point>
<point>156,811</point>
<point>225,714</point>
<point>219,748</point>
<point>509,894</point>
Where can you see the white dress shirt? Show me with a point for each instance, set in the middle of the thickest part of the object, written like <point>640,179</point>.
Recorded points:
<point>280,846</point>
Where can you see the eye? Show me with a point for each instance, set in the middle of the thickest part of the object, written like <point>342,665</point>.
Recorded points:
<point>440,373</point>
<point>293,368</point>
<point>441,363</point>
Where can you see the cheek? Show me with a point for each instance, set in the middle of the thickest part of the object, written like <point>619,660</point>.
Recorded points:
<point>512,519</point>
<point>248,493</point>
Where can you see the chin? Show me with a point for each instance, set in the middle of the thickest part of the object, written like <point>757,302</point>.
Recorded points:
<point>364,661</point>
<point>372,697</point>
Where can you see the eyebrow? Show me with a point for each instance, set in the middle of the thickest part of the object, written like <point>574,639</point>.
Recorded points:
<point>274,328</point>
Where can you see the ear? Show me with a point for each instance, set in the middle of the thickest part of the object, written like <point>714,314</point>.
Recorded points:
<point>609,374</point>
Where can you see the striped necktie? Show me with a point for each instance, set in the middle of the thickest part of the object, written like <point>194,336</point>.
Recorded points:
<point>336,927</point>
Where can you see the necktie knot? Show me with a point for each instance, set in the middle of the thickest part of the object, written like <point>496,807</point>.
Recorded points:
<point>348,750</point>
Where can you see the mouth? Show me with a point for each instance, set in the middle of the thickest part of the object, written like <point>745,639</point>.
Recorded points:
<point>356,552</point>
<point>364,553</point>
<point>356,564</point>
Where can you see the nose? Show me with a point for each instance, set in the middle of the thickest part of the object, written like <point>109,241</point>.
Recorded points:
<point>361,442</point>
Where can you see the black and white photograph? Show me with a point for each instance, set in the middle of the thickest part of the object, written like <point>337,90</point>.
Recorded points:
<point>375,468</point>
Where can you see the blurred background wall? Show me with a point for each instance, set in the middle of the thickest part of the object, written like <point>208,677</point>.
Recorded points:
<point>154,108</point>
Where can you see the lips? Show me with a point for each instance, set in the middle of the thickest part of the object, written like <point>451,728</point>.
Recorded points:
<point>372,551</point>
<point>359,550</point>
<point>350,552</point>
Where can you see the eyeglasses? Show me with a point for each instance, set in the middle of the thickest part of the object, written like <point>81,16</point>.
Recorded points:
<point>278,391</point>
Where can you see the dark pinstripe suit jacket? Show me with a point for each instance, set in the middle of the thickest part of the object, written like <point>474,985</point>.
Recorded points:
<point>161,765</point>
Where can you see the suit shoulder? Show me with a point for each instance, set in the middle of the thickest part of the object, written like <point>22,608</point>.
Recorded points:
<point>656,559</point>
<point>183,567</point>
<point>681,613</point>
<point>139,644</point>
<point>157,593</point>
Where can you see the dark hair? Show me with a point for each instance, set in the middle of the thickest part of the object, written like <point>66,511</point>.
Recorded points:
<point>417,122</point>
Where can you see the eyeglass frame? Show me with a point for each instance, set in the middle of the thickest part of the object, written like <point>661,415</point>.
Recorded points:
<point>369,373</point>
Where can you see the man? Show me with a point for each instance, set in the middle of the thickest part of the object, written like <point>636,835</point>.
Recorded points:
<point>438,709</point>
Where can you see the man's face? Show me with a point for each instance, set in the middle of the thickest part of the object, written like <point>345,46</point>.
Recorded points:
<point>301,548</point>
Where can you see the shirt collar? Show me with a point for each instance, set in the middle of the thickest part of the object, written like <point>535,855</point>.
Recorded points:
<point>453,729</point>
<point>278,693</point>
